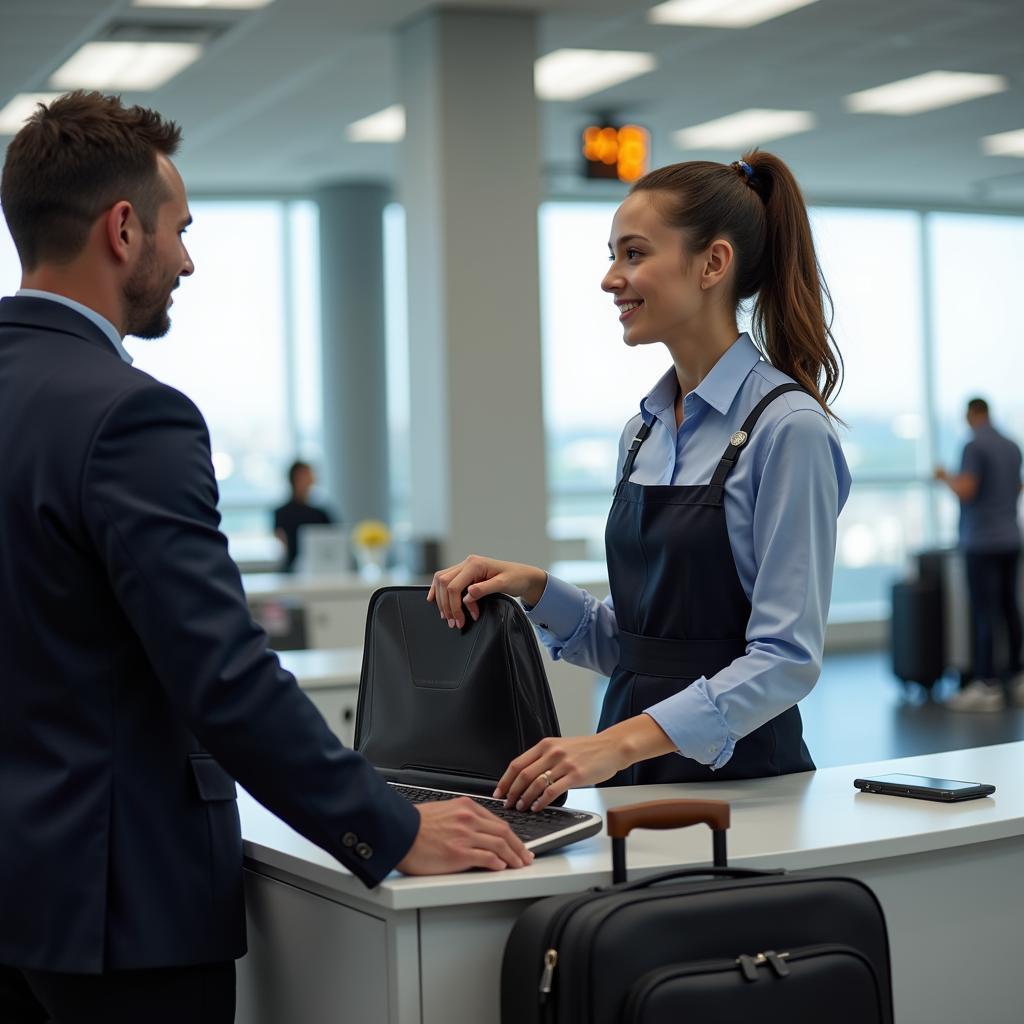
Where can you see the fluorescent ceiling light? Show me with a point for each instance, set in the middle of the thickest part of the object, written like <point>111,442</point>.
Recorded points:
<point>386,125</point>
<point>570,74</point>
<point>745,128</point>
<point>116,65</point>
<point>925,92</point>
<point>222,4</point>
<point>14,115</point>
<point>722,13</point>
<point>1003,144</point>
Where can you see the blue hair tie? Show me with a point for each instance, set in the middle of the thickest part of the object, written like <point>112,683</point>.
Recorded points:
<point>746,169</point>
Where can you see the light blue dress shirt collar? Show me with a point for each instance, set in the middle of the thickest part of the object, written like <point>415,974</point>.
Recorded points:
<point>90,314</point>
<point>718,389</point>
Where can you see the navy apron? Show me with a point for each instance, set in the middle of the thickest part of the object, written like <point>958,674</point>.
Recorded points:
<point>682,614</point>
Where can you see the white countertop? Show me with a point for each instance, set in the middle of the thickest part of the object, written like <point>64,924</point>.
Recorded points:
<point>317,670</point>
<point>809,820</point>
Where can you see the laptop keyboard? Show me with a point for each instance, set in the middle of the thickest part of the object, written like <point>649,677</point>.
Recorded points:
<point>527,825</point>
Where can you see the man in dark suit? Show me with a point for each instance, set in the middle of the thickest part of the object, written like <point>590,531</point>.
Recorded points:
<point>135,686</point>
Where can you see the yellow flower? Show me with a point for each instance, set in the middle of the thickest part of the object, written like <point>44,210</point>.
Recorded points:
<point>371,533</point>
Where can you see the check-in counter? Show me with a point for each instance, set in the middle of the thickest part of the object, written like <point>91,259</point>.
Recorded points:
<point>323,948</point>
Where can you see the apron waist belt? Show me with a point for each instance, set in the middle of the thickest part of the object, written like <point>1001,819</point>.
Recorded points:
<point>680,659</point>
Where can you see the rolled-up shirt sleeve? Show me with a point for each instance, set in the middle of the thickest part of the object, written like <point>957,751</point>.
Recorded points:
<point>800,489</point>
<point>576,627</point>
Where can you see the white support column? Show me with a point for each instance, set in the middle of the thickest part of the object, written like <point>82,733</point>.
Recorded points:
<point>471,184</point>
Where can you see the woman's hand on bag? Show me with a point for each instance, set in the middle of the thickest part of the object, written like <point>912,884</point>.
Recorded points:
<point>475,577</point>
<point>557,764</point>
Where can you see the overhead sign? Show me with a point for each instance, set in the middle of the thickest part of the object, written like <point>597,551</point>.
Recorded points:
<point>611,151</point>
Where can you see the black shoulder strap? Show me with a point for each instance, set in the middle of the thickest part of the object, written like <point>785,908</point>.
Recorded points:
<point>738,441</point>
<point>627,466</point>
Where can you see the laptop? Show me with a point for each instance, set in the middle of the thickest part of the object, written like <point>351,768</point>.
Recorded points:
<point>540,831</point>
<point>323,550</point>
<point>443,711</point>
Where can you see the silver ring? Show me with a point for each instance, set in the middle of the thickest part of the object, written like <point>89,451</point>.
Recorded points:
<point>546,776</point>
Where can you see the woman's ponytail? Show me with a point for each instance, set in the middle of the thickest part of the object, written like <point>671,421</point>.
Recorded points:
<point>793,308</point>
<point>756,204</point>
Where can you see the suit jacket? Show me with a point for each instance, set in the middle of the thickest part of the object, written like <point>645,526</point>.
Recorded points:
<point>134,684</point>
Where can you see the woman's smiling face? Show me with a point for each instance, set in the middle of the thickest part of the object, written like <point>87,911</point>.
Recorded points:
<point>654,281</point>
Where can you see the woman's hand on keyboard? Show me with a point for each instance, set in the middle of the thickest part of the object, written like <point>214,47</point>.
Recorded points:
<point>557,764</point>
<point>458,834</point>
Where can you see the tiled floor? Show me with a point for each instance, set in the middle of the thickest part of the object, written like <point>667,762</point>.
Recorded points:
<point>860,712</point>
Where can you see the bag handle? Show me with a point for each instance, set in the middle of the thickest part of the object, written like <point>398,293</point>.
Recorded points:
<point>662,814</point>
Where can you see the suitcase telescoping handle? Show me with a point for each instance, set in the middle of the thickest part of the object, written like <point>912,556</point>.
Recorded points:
<point>666,814</point>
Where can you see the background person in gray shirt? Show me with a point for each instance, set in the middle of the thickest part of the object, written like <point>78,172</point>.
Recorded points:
<point>988,486</point>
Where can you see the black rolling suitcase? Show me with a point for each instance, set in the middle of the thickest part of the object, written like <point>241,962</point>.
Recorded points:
<point>918,644</point>
<point>712,945</point>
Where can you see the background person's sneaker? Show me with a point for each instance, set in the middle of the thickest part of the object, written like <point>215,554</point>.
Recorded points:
<point>978,695</point>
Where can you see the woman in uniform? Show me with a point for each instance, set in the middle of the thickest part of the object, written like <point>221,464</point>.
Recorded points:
<point>721,536</point>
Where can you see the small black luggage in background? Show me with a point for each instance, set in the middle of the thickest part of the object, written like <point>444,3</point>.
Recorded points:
<point>918,644</point>
<point>714,945</point>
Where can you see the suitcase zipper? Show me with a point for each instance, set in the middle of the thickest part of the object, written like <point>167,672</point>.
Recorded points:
<point>550,962</point>
<point>554,933</point>
<point>749,964</point>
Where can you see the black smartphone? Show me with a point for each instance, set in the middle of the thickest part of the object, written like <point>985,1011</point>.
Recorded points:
<point>922,787</point>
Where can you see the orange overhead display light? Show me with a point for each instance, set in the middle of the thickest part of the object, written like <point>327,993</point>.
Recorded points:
<point>610,151</point>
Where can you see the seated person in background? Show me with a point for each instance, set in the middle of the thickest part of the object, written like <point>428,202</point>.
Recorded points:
<point>297,512</point>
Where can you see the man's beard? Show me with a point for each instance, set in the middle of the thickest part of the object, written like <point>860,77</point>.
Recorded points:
<point>145,299</point>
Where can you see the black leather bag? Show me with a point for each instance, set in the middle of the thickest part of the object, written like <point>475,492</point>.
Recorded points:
<point>449,708</point>
<point>710,944</point>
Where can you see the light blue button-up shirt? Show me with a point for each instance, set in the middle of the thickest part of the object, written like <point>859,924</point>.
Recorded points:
<point>90,314</point>
<point>782,499</point>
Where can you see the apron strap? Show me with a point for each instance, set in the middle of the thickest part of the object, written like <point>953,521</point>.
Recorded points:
<point>627,466</point>
<point>738,441</point>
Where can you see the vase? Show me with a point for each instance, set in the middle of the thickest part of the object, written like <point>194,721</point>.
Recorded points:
<point>370,561</point>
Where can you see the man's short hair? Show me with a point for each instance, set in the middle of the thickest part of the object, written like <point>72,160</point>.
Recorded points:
<point>73,160</point>
<point>295,468</point>
<point>977,407</point>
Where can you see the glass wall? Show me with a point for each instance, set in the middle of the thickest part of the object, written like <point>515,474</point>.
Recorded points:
<point>925,319</point>
<point>922,317</point>
<point>10,268</point>
<point>977,264</point>
<point>396,340</point>
<point>876,293</point>
<point>244,345</point>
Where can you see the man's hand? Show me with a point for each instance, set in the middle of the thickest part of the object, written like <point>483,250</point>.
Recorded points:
<point>459,834</point>
<point>476,577</point>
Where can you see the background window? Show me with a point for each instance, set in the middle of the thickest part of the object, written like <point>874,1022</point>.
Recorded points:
<point>396,340</point>
<point>10,268</point>
<point>976,266</point>
<point>244,345</point>
<point>593,383</point>
<point>872,263</point>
